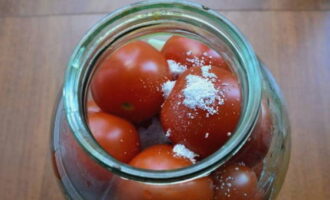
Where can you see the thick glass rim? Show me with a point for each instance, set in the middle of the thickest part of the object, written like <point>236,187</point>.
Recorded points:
<point>76,76</point>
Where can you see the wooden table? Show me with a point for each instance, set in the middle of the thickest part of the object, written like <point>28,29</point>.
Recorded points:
<point>37,38</point>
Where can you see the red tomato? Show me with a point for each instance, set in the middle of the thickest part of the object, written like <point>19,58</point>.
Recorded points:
<point>161,157</point>
<point>82,165</point>
<point>90,169</point>
<point>128,82</point>
<point>92,107</point>
<point>235,182</point>
<point>258,144</point>
<point>191,52</point>
<point>117,136</point>
<point>196,128</point>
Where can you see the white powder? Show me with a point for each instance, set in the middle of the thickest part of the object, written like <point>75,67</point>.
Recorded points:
<point>181,151</point>
<point>190,115</point>
<point>229,134</point>
<point>195,61</point>
<point>189,53</point>
<point>176,68</point>
<point>206,73</point>
<point>168,133</point>
<point>207,135</point>
<point>201,93</point>
<point>167,88</point>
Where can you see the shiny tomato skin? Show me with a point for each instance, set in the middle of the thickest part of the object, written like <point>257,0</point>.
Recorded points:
<point>257,146</point>
<point>235,182</point>
<point>161,157</point>
<point>128,82</point>
<point>115,135</point>
<point>182,49</point>
<point>203,133</point>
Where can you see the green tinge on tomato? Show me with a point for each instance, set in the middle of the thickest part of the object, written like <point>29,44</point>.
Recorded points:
<point>128,82</point>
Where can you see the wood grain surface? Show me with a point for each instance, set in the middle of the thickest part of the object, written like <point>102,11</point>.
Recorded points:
<point>37,38</point>
<point>60,7</point>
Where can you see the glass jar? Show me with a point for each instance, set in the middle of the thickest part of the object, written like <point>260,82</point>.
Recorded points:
<point>261,138</point>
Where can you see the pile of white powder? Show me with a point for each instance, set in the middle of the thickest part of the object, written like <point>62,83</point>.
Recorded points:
<point>200,92</point>
<point>167,88</point>
<point>182,151</point>
<point>176,68</point>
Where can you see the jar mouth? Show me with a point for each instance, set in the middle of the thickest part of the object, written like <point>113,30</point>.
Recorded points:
<point>77,79</point>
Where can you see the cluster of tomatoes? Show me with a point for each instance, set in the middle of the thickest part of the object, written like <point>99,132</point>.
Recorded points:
<point>200,111</point>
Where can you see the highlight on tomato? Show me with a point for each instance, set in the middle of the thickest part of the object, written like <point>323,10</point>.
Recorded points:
<point>235,182</point>
<point>128,81</point>
<point>116,136</point>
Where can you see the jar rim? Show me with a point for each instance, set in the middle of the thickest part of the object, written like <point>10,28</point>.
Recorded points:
<point>75,76</point>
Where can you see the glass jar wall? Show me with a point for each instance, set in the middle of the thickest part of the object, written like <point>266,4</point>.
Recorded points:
<point>258,149</point>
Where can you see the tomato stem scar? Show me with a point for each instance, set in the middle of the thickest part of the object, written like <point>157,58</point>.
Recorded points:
<point>127,106</point>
